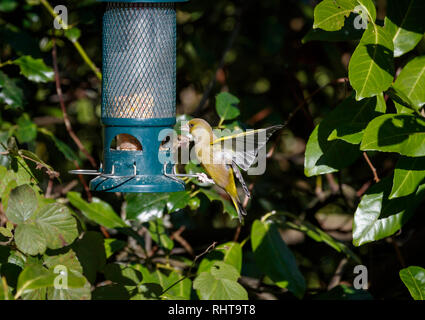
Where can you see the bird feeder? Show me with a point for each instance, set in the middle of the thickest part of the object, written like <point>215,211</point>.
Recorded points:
<point>138,96</point>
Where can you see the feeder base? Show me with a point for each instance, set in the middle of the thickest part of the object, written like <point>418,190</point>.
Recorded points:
<point>139,184</point>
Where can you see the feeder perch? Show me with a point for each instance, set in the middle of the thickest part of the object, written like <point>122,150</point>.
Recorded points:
<point>138,96</point>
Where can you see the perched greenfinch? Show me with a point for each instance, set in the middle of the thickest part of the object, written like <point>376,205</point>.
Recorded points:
<point>222,162</point>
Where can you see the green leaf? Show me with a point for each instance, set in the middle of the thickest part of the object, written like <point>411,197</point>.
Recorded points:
<point>159,234</point>
<point>8,5</point>
<point>73,34</point>
<point>10,93</point>
<point>268,246</point>
<point>181,289</point>
<point>22,204</point>
<point>411,82</point>
<point>230,253</point>
<point>371,68</point>
<point>122,274</point>
<point>330,15</point>
<point>378,217</point>
<point>365,110</point>
<point>35,277</point>
<point>112,246</point>
<point>404,23</point>
<point>414,279</point>
<point>90,251</point>
<point>324,156</point>
<point>30,239</point>
<point>97,211</point>
<point>6,233</point>
<point>347,33</point>
<point>220,283</point>
<point>404,134</point>
<point>178,200</point>
<point>57,224</point>
<point>27,130</point>
<point>226,106</point>
<point>144,207</point>
<point>34,69</point>
<point>227,205</point>
<point>409,173</point>
<point>70,261</point>
<point>62,146</point>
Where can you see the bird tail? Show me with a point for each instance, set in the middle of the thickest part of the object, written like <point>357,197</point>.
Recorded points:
<point>239,208</point>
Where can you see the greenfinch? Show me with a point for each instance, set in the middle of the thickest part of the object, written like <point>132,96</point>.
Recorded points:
<point>222,162</point>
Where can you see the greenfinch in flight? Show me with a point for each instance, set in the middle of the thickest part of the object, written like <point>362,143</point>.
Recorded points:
<point>222,157</point>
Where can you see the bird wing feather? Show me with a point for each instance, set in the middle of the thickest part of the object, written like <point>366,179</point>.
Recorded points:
<point>243,148</point>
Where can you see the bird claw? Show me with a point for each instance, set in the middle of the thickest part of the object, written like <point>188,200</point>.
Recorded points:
<point>203,178</point>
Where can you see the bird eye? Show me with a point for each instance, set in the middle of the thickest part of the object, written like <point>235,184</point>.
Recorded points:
<point>191,125</point>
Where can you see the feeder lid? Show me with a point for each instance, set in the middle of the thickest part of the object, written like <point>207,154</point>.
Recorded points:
<point>143,1</point>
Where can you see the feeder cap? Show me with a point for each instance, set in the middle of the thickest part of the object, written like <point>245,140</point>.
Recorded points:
<point>143,1</point>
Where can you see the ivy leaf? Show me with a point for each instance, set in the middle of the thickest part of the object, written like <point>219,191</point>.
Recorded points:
<point>414,279</point>
<point>97,211</point>
<point>411,82</point>
<point>159,234</point>
<point>371,68</point>
<point>230,253</point>
<point>226,106</point>
<point>22,204</point>
<point>27,130</point>
<point>145,207</point>
<point>404,23</point>
<point>330,15</point>
<point>10,93</point>
<point>275,259</point>
<point>409,173</point>
<point>220,283</point>
<point>378,217</point>
<point>404,134</point>
<point>34,69</point>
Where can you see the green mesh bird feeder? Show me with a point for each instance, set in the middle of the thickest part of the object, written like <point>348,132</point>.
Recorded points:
<point>138,96</point>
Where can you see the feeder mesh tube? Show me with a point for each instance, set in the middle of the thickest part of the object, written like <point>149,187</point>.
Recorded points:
<point>139,64</point>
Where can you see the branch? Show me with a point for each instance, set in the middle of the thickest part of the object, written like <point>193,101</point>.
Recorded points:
<point>372,168</point>
<point>65,114</point>
<point>76,44</point>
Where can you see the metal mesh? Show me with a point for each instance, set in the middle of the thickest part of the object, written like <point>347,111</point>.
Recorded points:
<point>139,61</point>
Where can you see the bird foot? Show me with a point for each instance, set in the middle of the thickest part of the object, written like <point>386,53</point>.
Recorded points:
<point>203,178</point>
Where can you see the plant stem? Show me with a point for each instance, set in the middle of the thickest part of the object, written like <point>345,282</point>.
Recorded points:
<point>76,43</point>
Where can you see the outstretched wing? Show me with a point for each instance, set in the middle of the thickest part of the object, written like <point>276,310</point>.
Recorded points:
<point>243,148</point>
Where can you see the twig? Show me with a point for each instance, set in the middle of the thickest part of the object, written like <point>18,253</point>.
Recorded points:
<point>372,168</point>
<point>83,182</point>
<point>210,248</point>
<point>336,279</point>
<point>49,188</point>
<point>65,114</point>
<point>177,236</point>
<point>76,44</point>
